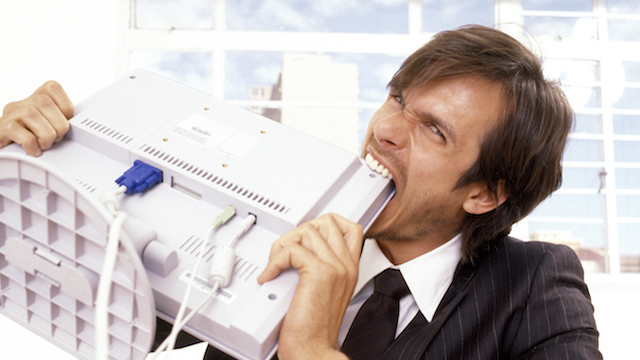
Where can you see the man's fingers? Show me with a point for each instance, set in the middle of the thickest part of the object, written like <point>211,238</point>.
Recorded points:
<point>307,242</point>
<point>21,136</point>
<point>344,237</point>
<point>28,127</point>
<point>287,257</point>
<point>38,121</point>
<point>322,237</point>
<point>323,241</point>
<point>55,92</point>
<point>51,115</point>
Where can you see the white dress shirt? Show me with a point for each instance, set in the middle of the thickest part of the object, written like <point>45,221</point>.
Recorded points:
<point>428,277</point>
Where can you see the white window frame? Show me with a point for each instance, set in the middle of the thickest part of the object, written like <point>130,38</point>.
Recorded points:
<point>508,13</point>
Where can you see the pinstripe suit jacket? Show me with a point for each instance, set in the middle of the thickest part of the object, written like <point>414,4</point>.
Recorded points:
<point>519,300</point>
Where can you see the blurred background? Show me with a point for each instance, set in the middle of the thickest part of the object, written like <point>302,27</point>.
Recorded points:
<point>322,67</point>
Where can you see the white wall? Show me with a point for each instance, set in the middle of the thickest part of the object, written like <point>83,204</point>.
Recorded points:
<point>76,43</point>
<point>71,41</point>
<point>616,300</point>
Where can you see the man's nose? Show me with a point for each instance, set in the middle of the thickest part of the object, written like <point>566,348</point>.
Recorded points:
<point>393,132</point>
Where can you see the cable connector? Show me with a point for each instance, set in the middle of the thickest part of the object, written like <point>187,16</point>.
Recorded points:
<point>139,177</point>
<point>224,216</point>
<point>224,258</point>
<point>246,224</point>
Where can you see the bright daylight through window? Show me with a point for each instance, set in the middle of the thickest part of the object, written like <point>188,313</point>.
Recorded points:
<point>323,66</point>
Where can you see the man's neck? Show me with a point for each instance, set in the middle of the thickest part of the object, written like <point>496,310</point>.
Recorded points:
<point>401,251</point>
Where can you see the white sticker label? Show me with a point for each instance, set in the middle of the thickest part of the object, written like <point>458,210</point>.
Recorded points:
<point>238,145</point>
<point>216,136</point>
<point>202,284</point>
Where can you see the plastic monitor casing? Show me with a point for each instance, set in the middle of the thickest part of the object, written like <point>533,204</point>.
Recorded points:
<point>213,154</point>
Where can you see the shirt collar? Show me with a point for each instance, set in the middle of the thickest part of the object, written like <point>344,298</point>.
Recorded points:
<point>428,276</point>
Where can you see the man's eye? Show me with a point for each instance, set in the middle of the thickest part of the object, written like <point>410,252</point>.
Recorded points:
<point>398,98</point>
<point>437,131</point>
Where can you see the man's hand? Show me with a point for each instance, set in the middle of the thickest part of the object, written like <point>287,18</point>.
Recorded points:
<point>326,252</point>
<point>37,122</point>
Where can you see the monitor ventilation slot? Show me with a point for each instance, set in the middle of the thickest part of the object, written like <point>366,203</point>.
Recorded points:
<point>105,130</point>
<point>84,185</point>
<point>213,178</point>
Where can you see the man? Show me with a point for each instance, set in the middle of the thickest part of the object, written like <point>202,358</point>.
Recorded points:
<point>472,135</point>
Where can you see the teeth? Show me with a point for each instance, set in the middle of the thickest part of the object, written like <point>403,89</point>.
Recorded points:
<point>368,158</point>
<point>377,167</point>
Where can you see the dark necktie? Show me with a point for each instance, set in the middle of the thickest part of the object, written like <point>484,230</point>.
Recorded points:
<point>374,327</point>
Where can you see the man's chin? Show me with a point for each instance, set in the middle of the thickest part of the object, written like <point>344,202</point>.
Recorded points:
<point>380,226</point>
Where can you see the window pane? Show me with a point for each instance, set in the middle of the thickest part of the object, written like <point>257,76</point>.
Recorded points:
<point>365,116</point>
<point>582,96</point>
<point>583,150</point>
<point>627,151</point>
<point>174,14</point>
<point>629,245</point>
<point>577,78</point>
<point>312,78</point>
<point>190,68</point>
<point>555,5</point>
<point>631,70</point>
<point>361,16</point>
<point>579,178</point>
<point>593,234</point>
<point>561,27</point>
<point>571,206</point>
<point>447,15</point>
<point>623,29</point>
<point>628,178</point>
<point>628,206</point>
<point>586,239</point>
<point>588,124</point>
<point>245,69</point>
<point>628,99</point>
<point>623,6</point>
<point>626,124</point>
<point>375,72</point>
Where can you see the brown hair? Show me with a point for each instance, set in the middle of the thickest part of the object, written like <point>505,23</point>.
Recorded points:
<point>523,154</point>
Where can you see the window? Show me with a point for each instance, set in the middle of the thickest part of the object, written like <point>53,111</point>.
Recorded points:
<point>305,63</point>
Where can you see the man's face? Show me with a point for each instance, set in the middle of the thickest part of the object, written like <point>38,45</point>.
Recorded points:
<point>427,138</point>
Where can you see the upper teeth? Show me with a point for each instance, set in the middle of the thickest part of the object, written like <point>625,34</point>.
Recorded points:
<point>377,167</point>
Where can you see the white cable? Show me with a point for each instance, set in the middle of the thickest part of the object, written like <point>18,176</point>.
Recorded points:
<point>242,229</point>
<point>219,276</point>
<point>111,202</point>
<point>214,290</point>
<point>169,343</point>
<point>225,257</point>
<point>104,288</point>
<point>175,330</point>
<point>110,199</point>
<point>164,346</point>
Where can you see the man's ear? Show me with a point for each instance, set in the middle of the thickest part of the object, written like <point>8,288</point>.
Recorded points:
<point>479,201</point>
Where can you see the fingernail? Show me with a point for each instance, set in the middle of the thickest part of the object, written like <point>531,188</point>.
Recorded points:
<point>38,152</point>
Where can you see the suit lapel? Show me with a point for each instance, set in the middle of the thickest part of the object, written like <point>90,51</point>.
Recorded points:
<point>413,341</point>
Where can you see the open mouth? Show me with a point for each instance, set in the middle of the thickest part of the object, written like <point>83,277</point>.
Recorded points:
<point>377,167</point>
